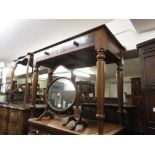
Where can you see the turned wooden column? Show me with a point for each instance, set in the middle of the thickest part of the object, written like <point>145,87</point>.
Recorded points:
<point>27,93</point>
<point>50,77</point>
<point>100,84</point>
<point>120,91</point>
<point>34,84</point>
<point>73,77</point>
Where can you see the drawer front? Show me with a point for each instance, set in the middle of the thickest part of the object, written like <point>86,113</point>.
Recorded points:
<point>4,129</point>
<point>65,48</point>
<point>18,122</point>
<point>13,128</point>
<point>1,117</point>
<point>1,121</point>
<point>1,111</point>
<point>5,112</point>
<point>5,119</point>
<point>14,115</point>
<point>35,131</point>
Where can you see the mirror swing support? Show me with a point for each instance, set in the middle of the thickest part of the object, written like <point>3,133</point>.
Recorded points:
<point>77,113</point>
<point>62,98</point>
<point>46,112</point>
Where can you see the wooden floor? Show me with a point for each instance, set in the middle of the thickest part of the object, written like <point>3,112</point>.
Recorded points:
<point>56,124</point>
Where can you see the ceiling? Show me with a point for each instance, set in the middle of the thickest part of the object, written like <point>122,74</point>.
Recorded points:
<point>132,32</point>
<point>18,37</point>
<point>143,25</point>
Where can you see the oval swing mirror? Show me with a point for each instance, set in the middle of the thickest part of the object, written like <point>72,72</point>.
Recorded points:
<point>61,95</point>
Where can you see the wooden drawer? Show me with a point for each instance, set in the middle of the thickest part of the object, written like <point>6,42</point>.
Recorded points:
<point>5,112</point>
<point>5,119</point>
<point>13,128</point>
<point>1,117</point>
<point>35,131</point>
<point>1,111</point>
<point>14,115</point>
<point>1,125</point>
<point>4,129</point>
<point>65,48</point>
<point>18,122</point>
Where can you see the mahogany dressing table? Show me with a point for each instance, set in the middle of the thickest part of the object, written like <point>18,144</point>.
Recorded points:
<point>91,48</point>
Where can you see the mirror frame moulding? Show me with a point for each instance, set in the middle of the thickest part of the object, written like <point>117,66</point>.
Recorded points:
<point>63,111</point>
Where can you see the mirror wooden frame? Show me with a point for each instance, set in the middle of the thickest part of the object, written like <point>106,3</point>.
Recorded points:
<point>63,111</point>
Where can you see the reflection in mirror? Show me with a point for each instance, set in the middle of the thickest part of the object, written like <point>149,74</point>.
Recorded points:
<point>61,94</point>
<point>62,71</point>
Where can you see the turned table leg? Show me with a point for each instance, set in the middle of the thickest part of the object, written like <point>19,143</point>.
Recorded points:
<point>100,82</point>
<point>34,87</point>
<point>120,91</point>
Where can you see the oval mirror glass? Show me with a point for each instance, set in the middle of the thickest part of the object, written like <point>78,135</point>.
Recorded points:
<point>61,94</point>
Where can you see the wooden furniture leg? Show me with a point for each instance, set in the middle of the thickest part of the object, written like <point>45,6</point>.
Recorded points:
<point>50,77</point>
<point>120,91</point>
<point>100,83</point>
<point>47,112</point>
<point>34,88</point>
<point>26,92</point>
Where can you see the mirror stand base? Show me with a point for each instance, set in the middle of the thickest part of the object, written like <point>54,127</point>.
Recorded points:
<point>46,113</point>
<point>77,122</point>
<point>72,118</point>
<point>80,122</point>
